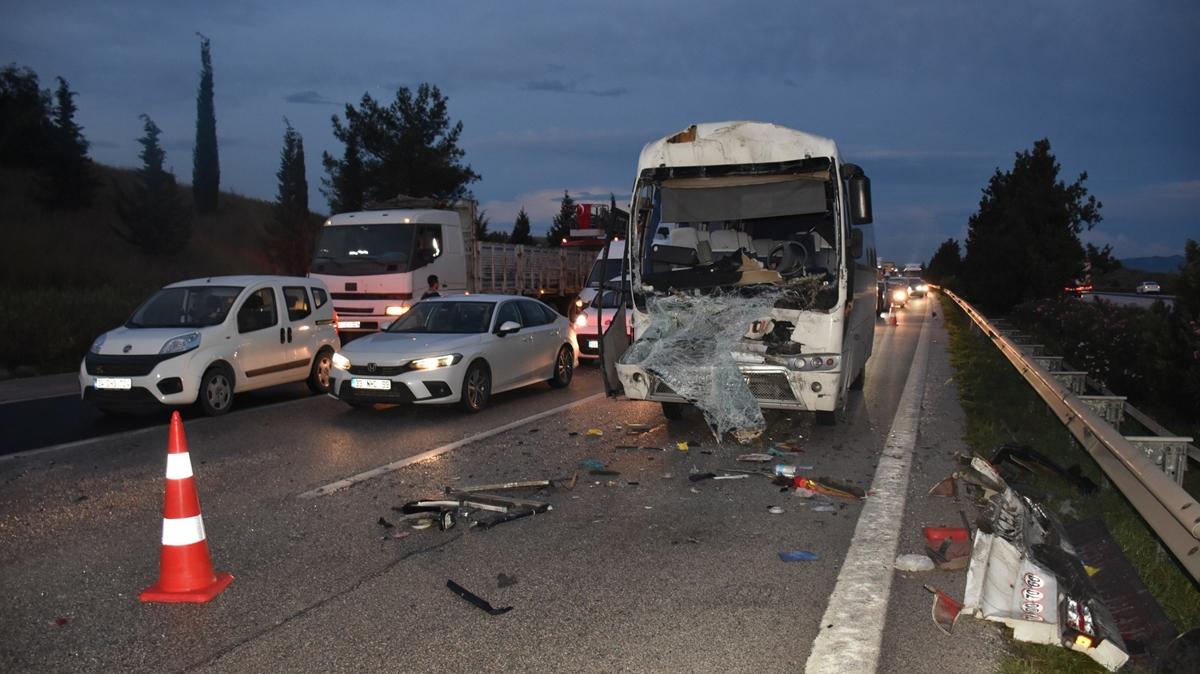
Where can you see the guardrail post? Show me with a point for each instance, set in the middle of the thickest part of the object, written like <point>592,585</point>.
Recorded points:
<point>1112,408</point>
<point>1167,453</point>
<point>1074,380</point>
<point>1050,363</point>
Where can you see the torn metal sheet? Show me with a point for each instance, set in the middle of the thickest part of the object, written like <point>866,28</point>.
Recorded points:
<point>502,486</point>
<point>1025,573</point>
<point>476,599</point>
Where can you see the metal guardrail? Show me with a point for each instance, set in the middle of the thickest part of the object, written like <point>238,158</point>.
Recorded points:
<point>1169,510</point>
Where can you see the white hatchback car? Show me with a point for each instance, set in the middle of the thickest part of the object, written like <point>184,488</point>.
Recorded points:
<point>206,339</point>
<point>460,349</point>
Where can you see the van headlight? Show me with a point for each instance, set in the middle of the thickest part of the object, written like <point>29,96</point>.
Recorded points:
<point>181,343</point>
<point>97,344</point>
<point>341,362</point>
<point>435,362</point>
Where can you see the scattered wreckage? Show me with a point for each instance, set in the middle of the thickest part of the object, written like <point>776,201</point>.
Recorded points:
<point>750,261</point>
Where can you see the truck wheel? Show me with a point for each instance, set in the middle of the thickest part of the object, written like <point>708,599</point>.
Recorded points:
<point>673,411</point>
<point>476,387</point>
<point>318,378</point>
<point>564,368</point>
<point>860,380</point>
<point>216,391</point>
<point>825,418</point>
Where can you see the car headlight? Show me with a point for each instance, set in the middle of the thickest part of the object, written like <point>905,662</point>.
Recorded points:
<point>922,288</point>
<point>341,362</point>
<point>581,320</point>
<point>98,343</point>
<point>900,295</point>
<point>181,343</point>
<point>396,310</point>
<point>435,362</point>
<point>579,303</point>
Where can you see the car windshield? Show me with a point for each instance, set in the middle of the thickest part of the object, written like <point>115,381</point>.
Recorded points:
<point>185,307</point>
<point>605,269</point>
<point>446,318</point>
<point>364,249</point>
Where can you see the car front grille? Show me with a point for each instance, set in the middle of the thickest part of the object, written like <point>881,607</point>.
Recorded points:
<point>378,370</point>
<point>124,366</point>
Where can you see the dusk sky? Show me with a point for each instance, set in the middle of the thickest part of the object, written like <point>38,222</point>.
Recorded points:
<point>930,97</point>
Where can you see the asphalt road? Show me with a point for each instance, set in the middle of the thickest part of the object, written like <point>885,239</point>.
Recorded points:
<point>641,571</point>
<point>1133,299</point>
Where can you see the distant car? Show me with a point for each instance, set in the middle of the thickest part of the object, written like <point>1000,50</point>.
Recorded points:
<point>599,313</point>
<point>1148,287</point>
<point>458,349</point>
<point>205,340</point>
<point>916,286</point>
<point>897,288</point>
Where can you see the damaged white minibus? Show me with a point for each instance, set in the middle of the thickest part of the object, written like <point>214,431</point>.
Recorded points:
<point>752,266</point>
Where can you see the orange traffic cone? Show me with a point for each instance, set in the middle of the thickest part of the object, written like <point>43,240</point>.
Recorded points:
<point>185,571</point>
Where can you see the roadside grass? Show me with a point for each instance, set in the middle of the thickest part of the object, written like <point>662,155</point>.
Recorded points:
<point>68,278</point>
<point>1001,407</point>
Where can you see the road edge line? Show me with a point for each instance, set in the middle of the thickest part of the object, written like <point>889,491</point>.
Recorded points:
<point>851,630</point>
<point>373,473</point>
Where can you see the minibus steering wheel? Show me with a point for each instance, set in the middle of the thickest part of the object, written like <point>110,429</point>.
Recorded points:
<point>791,258</point>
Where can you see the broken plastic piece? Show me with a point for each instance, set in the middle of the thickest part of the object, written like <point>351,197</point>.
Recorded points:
<point>775,510</point>
<point>829,488</point>
<point>947,487</point>
<point>594,431</point>
<point>591,464</point>
<point>682,445</point>
<point>799,556</point>
<point>754,458</point>
<point>945,610</point>
<point>476,599</point>
<point>914,563</point>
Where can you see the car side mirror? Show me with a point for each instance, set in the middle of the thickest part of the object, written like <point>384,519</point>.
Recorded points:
<point>507,328</point>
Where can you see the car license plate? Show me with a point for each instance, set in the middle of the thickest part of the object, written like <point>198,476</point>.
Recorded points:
<point>373,384</point>
<point>349,325</point>
<point>113,383</point>
<point>593,344</point>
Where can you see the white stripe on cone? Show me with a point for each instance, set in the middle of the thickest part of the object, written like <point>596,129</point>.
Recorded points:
<point>179,466</point>
<point>183,531</point>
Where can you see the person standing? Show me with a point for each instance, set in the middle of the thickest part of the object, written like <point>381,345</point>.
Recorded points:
<point>434,286</point>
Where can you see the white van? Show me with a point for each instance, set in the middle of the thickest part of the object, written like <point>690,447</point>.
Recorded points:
<point>206,339</point>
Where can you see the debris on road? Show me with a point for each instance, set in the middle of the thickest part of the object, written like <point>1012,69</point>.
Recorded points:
<point>682,445</point>
<point>503,486</point>
<point>914,563</point>
<point>775,510</point>
<point>1029,460</point>
<point>476,599</point>
<point>503,580</point>
<point>945,610</point>
<point>635,429</point>
<point>948,547</point>
<point>946,487</point>
<point>385,524</point>
<point>799,556</point>
<point>594,432</point>
<point>755,458</point>
<point>591,464</point>
<point>828,487</point>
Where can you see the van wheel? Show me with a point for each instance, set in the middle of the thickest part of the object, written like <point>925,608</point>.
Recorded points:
<point>476,387</point>
<point>859,381</point>
<point>564,368</point>
<point>826,418</point>
<point>318,379</point>
<point>673,411</point>
<point>216,391</point>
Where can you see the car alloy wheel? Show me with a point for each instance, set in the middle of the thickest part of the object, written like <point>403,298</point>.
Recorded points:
<point>477,388</point>
<point>564,369</point>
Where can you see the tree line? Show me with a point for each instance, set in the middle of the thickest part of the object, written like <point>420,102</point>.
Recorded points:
<point>1023,249</point>
<point>407,146</point>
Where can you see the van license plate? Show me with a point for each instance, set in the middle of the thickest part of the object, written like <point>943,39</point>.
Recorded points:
<point>373,384</point>
<point>349,325</point>
<point>593,344</point>
<point>113,383</point>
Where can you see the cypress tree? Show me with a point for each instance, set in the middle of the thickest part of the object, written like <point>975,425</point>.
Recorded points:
<point>66,181</point>
<point>520,232</point>
<point>153,216</point>
<point>206,169</point>
<point>292,232</point>
<point>564,222</point>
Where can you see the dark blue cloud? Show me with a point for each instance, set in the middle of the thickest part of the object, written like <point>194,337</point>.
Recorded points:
<point>560,87</point>
<point>309,97</point>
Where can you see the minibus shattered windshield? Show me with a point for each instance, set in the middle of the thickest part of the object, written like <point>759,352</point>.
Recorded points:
<point>364,249</point>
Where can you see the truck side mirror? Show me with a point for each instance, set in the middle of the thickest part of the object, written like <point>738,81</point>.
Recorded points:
<point>860,200</point>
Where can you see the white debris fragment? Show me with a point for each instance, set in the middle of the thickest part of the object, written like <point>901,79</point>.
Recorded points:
<point>914,563</point>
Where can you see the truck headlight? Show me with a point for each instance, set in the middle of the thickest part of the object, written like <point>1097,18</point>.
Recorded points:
<point>581,320</point>
<point>341,362</point>
<point>181,343</point>
<point>396,310</point>
<point>900,295</point>
<point>435,362</point>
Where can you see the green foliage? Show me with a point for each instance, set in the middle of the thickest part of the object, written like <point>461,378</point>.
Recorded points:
<point>1101,260</point>
<point>206,166</point>
<point>153,216</point>
<point>564,222</point>
<point>84,280</point>
<point>945,263</point>
<point>24,117</point>
<point>408,147</point>
<point>1150,355</point>
<point>1023,242</point>
<point>481,225</point>
<point>67,182</point>
<point>520,231</point>
<point>291,234</point>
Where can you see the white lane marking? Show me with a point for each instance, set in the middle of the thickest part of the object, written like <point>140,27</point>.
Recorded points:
<point>416,458</point>
<point>179,466</point>
<point>183,530</point>
<point>857,607</point>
